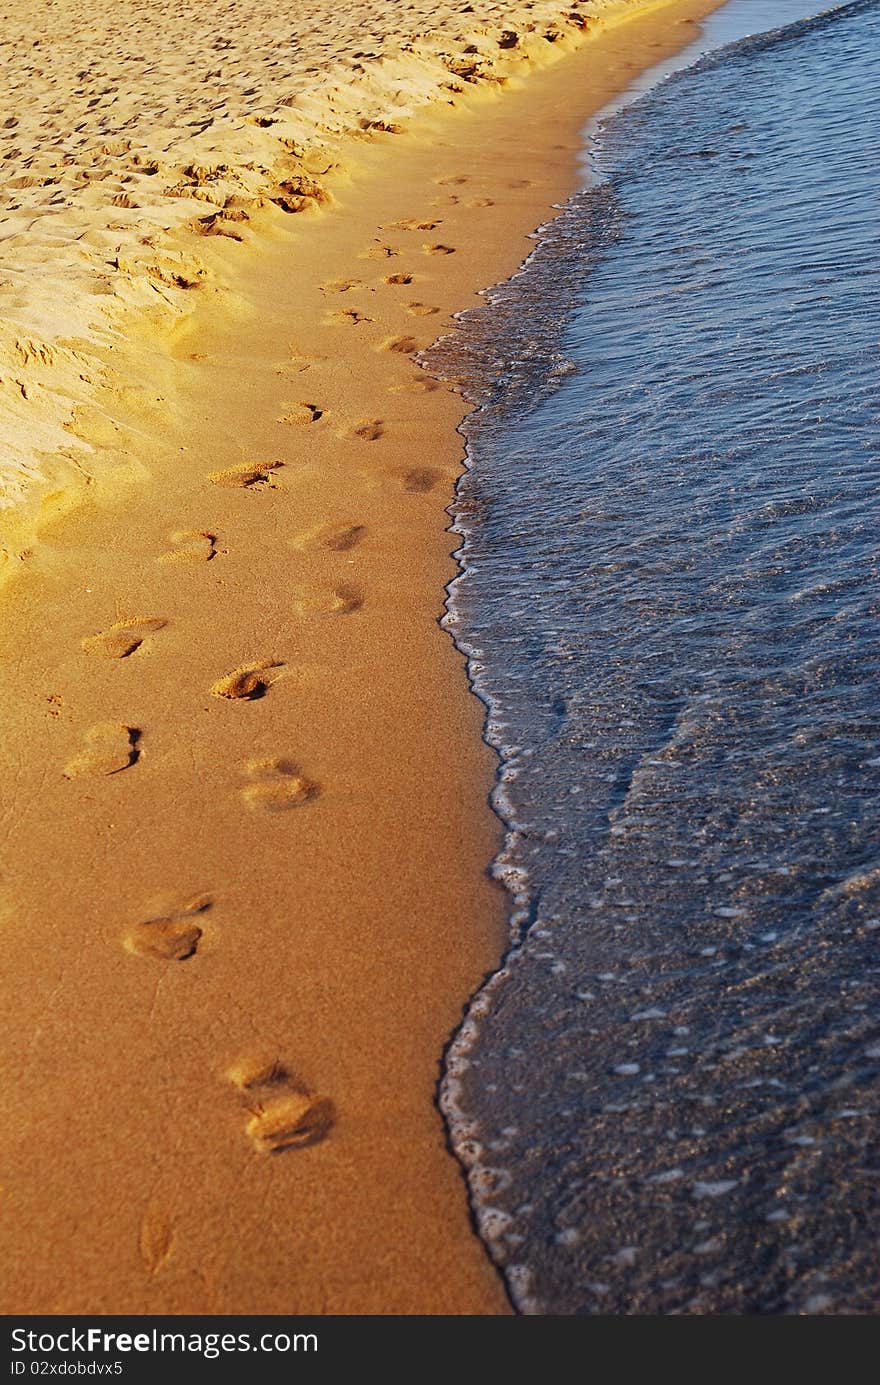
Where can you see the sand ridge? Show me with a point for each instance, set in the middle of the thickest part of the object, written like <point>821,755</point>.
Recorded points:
<point>135,129</point>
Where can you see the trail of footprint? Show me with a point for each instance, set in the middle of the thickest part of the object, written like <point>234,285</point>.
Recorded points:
<point>109,748</point>
<point>191,546</point>
<point>276,785</point>
<point>250,681</point>
<point>340,600</point>
<point>123,638</point>
<point>300,414</point>
<point>282,1113</point>
<point>367,429</point>
<point>439,249</point>
<point>247,474</point>
<point>171,937</point>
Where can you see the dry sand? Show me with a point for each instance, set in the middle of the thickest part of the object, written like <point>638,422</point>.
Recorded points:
<point>244,895</point>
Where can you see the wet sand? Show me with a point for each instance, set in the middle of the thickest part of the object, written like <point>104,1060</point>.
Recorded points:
<point>244,896</point>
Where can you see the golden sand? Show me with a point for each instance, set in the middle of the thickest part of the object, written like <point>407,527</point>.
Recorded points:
<point>244,895</point>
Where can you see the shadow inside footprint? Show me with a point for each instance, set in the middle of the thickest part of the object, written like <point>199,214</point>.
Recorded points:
<point>290,1122</point>
<point>414,223</point>
<point>246,474</point>
<point>109,748</point>
<point>248,682</point>
<point>404,345</point>
<point>420,384</point>
<point>191,546</point>
<point>340,600</point>
<point>300,414</point>
<point>379,252</point>
<point>350,315</point>
<point>173,937</point>
<point>256,1070</point>
<point>420,479</point>
<point>344,538</point>
<point>367,429</point>
<point>123,638</point>
<point>276,785</point>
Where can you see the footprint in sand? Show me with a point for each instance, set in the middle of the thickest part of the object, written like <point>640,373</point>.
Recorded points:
<point>123,638</point>
<point>341,286</point>
<point>340,600</point>
<point>276,785</point>
<point>290,1122</point>
<point>438,249</point>
<point>282,1113</point>
<point>421,309</point>
<point>109,748</point>
<point>300,414</point>
<point>414,223</point>
<point>451,180</point>
<point>171,936</point>
<point>367,429</point>
<point>379,252</point>
<point>256,1069</point>
<point>156,1240</point>
<point>401,278</point>
<point>339,538</point>
<point>405,346</point>
<point>419,479</point>
<point>352,316</point>
<point>248,682</point>
<point>191,546</point>
<point>298,362</point>
<point>421,384</point>
<point>477,202</point>
<point>252,474</point>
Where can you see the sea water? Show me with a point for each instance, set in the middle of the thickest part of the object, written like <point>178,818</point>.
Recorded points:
<point>669,599</point>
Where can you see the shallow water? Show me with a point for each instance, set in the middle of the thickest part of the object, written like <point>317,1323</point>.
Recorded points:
<point>669,598</point>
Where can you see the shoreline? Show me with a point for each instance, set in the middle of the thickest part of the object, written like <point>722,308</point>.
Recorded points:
<point>111,231</point>
<point>334,945</point>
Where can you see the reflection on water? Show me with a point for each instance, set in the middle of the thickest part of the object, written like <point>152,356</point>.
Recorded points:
<point>670,602</point>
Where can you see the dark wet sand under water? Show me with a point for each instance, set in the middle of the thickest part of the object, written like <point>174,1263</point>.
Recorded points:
<point>667,1097</point>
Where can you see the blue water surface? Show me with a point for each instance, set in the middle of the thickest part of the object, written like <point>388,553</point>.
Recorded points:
<point>664,1100</point>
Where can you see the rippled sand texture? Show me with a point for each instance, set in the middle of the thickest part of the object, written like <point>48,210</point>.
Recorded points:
<point>134,128</point>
